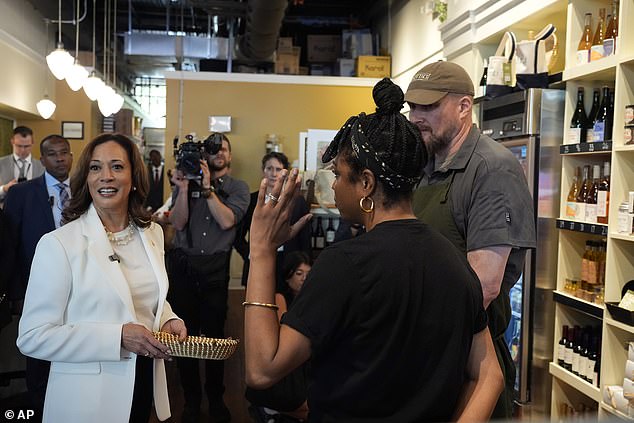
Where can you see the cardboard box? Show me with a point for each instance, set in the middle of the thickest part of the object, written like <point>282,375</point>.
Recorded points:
<point>373,66</point>
<point>356,42</point>
<point>285,45</point>
<point>288,63</point>
<point>345,67</point>
<point>323,48</point>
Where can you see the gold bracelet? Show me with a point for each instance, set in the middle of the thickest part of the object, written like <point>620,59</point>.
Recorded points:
<point>267,305</point>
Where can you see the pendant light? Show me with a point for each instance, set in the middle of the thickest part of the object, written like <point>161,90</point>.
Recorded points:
<point>93,84</point>
<point>59,60</point>
<point>104,100</point>
<point>116,99</point>
<point>77,74</point>
<point>45,107</point>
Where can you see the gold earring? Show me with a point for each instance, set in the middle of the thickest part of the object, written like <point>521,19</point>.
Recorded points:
<point>371,208</point>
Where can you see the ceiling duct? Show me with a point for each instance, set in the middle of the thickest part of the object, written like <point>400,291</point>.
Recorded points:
<point>264,20</point>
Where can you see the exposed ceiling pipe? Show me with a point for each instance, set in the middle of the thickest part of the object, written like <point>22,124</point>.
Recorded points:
<point>264,20</point>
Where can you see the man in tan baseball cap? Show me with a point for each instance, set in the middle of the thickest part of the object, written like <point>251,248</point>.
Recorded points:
<point>475,193</point>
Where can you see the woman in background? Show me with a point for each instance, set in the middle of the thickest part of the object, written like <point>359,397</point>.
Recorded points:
<point>272,166</point>
<point>97,292</point>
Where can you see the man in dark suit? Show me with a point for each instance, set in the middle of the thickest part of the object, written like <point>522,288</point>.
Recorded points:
<point>155,173</point>
<point>34,208</point>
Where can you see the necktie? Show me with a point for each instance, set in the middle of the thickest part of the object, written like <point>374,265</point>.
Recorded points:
<point>156,176</point>
<point>22,168</point>
<point>63,195</point>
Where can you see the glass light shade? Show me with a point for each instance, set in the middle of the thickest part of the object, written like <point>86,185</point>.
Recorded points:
<point>105,101</point>
<point>117,102</point>
<point>45,107</point>
<point>59,62</point>
<point>76,76</point>
<point>93,86</point>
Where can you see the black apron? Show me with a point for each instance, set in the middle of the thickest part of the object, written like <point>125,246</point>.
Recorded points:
<point>432,205</point>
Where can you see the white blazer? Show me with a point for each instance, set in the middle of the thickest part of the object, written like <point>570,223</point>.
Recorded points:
<point>77,301</point>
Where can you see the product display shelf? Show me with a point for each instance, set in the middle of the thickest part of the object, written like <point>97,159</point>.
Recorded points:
<point>575,382</point>
<point>615,412</point>
<point>593,309</point>
<point>617,72</point>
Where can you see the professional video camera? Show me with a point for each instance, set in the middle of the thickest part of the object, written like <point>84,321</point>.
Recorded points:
<point>189,153</point>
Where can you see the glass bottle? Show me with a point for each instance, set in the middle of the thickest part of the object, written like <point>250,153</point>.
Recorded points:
<point>611,32</point>
<point>592,360</point>
<point>576,351</point>
<point>596,101</point>
<point>602,121</point>
<point>568,352</point>
<point>319,235</point>
<point>330,232</point>
<point>561,349</point>
<point>579,122</point>
<point>585,261</point>
<point>583,193</point>
<point>603,195</point>
<point>571,200</point>
<point>483,80</point>
<point>591,198</point>
<point>583,355</point>
<point>596,51</point>
<point>585,43</point>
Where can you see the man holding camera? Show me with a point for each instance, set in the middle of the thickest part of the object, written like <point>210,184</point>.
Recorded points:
<point>18,166</point>
<point>207,208</point>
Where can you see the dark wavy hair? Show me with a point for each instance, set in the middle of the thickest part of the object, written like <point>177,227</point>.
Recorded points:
<point>281,157</point>
<point>395,139</point>
<point>292,261</point>
<point>81,198</point>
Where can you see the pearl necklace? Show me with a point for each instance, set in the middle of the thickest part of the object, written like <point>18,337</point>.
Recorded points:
<point>121,238</point>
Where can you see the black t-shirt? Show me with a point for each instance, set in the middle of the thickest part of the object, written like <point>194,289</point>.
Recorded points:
<point>390,316</point>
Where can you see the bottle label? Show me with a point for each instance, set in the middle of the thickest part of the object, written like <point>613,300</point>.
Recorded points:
<point>583,56</point>
<point>602,201</point>
<point>596,52</point>
<point>591,213</point>
<point>593,272</point>
<point>575,363</point>
<point>598,132</point>
<point>581,211</point>
<point>571,209</point>
<point>584,269</point>
<point>330,236</point>
<point>568,356</point>
<point>595,379</point>
<point>590,368</point>
<point>319,242</point>
<point>608,47</point>
<point>590,134</point>
<point>583,363</point>
<point>561,353</point>
<point>574,135</point>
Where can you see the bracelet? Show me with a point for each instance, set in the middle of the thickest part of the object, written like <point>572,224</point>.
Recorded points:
<point>267,305</point>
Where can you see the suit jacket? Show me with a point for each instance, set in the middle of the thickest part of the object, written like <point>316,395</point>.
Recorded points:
<point>7,171</point>
<point>29,212</point>
<point>155,194</point>
<point>77,301</point>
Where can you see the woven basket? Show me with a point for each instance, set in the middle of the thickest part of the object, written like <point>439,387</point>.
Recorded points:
<point>198,346</point>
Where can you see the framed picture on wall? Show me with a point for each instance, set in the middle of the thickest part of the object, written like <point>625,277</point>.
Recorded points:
<point>73,130</point>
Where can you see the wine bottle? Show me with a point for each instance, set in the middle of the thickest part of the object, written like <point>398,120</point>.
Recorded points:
<point>596,100</point>
<point>319,235</point>
<point>583,193</point>
<point>571,200</point>
<point>591,198</point>
<point>585,261</point>
<point>576,351</point>
<point>585,43</point>
<point>583,355</point>
<point>483,80</point>
<point>579,122</point>
<point>593,264</point>
<point>330,232</point>
<point>603,195</point>
<point>561,350</point>
<point>596,51</point>
<point>602,121</point>
<point>568,352</point>
<point>592,361</point>
<point>611,32</point>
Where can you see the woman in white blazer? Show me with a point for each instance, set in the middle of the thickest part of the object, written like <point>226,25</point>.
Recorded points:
<point>97,291</point>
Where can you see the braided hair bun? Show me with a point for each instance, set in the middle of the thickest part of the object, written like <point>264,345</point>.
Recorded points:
<point>388,97</point>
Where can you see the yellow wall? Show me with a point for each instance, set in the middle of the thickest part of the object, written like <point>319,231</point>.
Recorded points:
<point>71,106</point>
<point>258,109</point>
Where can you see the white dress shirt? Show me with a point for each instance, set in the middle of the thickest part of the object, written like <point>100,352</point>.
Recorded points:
<point>27,162</point>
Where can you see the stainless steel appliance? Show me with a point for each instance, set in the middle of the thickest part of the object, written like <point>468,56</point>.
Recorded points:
<point>530,124</point>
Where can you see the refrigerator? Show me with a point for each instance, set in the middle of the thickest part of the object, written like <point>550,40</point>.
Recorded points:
<point>530,124</point>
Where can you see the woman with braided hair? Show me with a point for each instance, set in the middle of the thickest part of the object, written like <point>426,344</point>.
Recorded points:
<point>392,320</point>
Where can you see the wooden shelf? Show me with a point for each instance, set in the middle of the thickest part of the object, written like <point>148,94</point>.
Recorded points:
<point>592,309</point>
<point>599,70</point>
<point>615,323</point>
<point>623,237</point>
<point>604,147</point>
<point>624,148</point>
<point>576,382</point>
<point>588,228</point>
<point>615,412</point>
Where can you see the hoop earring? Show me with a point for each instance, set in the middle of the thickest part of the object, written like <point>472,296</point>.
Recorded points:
<point>371,208</point>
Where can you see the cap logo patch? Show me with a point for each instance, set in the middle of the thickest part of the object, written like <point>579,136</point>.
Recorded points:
<point>422,76</point>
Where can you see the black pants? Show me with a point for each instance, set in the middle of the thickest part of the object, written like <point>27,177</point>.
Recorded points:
<point>143,390</point>
<point>36,382</point>
<point>198,295</point>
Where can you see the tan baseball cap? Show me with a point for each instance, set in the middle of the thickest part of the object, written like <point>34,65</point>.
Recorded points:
<point>435,80</point>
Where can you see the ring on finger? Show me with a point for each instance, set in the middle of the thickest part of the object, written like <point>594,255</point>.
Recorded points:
<point>271,197</point>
